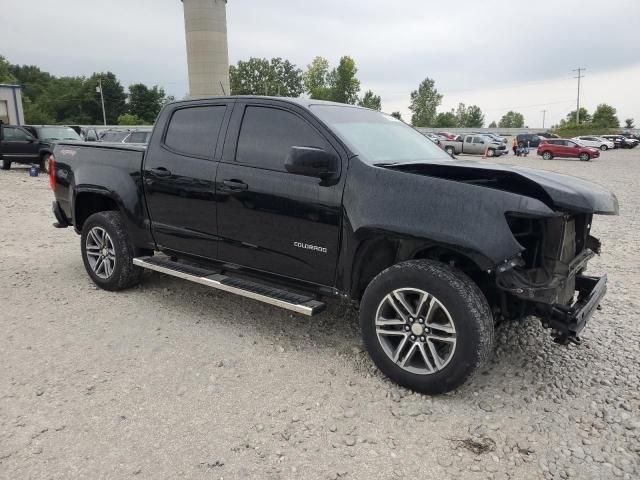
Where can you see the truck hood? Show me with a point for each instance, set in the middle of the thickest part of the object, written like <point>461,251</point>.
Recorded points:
<point>558,191</point>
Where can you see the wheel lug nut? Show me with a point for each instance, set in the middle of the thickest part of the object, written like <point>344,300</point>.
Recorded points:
<point>413,337</point>
<point>420,320</point>
<point>407,328</point>
<point>423,339</point>
<point>411,319</point>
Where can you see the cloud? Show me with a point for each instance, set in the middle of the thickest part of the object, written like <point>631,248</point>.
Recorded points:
<point>494,53</point>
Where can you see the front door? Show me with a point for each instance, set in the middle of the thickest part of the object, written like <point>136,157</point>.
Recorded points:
<point>269,219</point>
<point>179,174</point>
<point>17,145</point>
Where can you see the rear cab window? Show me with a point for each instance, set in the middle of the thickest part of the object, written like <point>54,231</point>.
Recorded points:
<point>193,131</point>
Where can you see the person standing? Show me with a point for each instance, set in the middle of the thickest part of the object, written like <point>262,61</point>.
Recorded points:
<point>514,145</point>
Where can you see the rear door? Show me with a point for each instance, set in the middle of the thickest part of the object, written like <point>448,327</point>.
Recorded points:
<point>17,145</point>
<point>467,144</point>
<point>179,174</point>
<point>570,149</point>
<point>478,146</point>
<point>268,219</point>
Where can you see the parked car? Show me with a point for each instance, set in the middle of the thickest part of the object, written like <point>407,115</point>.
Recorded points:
<point>251,195</point>
<point>563,148</point>
<point>447,135</point>
<point>547,135</point>
<point>595,142</point>
<point>530,140</point>
<point>30,144</point>
<point>621,141</point>
<point>137,135</point>
<point>493,136</point>
<point>474,145</point>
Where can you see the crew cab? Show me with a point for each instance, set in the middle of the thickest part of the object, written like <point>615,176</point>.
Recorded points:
<point>477,144</point>
<point>298,202</point>
<point>563,148</point>
<point>31,144</point>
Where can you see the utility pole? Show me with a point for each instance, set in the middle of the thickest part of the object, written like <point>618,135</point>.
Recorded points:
<point>99,89</point>
<point>544,114</point>
<point>579,70</point>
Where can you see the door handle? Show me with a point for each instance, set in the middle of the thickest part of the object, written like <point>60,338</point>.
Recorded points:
<point>235,185</point>
<point>160,172</point>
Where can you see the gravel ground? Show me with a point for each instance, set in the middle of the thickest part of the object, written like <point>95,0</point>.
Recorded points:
<point>173,380</point>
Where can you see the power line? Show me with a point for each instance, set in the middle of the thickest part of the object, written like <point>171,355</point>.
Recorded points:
<point>579,77</point>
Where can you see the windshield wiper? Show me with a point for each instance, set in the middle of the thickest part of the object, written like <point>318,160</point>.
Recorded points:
<point>385,164</point>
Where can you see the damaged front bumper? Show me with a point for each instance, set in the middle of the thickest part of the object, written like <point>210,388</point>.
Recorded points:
<point>565,303</point>
<point>569,321</point>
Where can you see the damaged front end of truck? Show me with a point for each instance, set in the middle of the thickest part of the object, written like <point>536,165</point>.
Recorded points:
<point>545,277</point>
<point>548,278</point>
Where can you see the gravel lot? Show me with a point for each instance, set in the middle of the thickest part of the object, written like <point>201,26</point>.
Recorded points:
<point>173,380</point>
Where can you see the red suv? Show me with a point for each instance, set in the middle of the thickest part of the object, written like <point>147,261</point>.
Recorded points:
<point>560,147</point>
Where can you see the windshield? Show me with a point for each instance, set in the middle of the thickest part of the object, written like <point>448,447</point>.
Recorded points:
<point>57,133</point>
<point>378,138</point>
<point>113,136</point>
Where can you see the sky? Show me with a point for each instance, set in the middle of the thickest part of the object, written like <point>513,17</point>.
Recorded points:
<point>498,54</point>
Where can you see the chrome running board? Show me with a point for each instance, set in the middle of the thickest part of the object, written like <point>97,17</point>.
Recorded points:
<point>305,305</point>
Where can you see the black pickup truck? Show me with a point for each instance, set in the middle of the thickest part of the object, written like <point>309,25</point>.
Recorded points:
<point>295,202</point>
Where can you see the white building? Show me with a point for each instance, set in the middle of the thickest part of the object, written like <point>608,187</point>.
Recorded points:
<point>11,104</point>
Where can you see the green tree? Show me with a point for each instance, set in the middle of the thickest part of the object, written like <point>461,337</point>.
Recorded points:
<point>316,79</point>
<point>130,119</point>
<point>446,120</point>
<point>114,98</point>
<point>475,117</point>
<point>628,123</point>
<point>424,103</point>
<point>397,115</point>
<point>493,124</point>
<point>145,103</point>
<point>343,84</point>
<point>5,71</point>
<point>260,76</point>
<point>461,115</point>
<point>63,101</point>
<point>605,117</point>
<point>584,116</point>
<point>371,100</point>
<point>511,119</point>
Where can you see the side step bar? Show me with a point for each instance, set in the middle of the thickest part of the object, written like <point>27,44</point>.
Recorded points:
<point>275,296</point>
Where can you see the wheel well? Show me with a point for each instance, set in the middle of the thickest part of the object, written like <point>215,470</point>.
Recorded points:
<point>87,204</point>
<point>379,254</point>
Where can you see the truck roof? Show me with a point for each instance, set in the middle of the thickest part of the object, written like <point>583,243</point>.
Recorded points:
<point>303,102</point>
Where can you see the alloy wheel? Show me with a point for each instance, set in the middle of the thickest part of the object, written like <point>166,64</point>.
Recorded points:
<point>100,252</point>
<point>415,331</point>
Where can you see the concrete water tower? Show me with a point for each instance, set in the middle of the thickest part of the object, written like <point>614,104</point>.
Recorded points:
<point>205,24</point>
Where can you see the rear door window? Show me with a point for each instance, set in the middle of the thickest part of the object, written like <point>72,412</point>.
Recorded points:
<point>267,135</point>
<point>193,131</point>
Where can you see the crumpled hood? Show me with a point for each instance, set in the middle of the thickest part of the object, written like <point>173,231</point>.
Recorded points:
<point>561,192</point>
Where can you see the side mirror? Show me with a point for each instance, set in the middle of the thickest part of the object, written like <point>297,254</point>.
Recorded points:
<point>311,162</point>
<point>31,139</point>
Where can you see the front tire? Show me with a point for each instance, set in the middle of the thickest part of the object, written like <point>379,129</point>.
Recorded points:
<point>426,325</point>
<point>107,252</point>
<point>491,153</point>
<point>585,157</point>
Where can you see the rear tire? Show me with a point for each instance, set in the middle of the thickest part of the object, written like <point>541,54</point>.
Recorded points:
<point>430,349</point>
<point>584,157</point>
<point>104,237</point>
<point>6,164</point>
<point>604,148</point>
<point>547,155</point>
<point>44,162</point>
<point>450,150</point>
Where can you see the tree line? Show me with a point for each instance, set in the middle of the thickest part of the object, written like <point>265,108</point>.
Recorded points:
<point>48,99</point>
<point>75,100</point>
